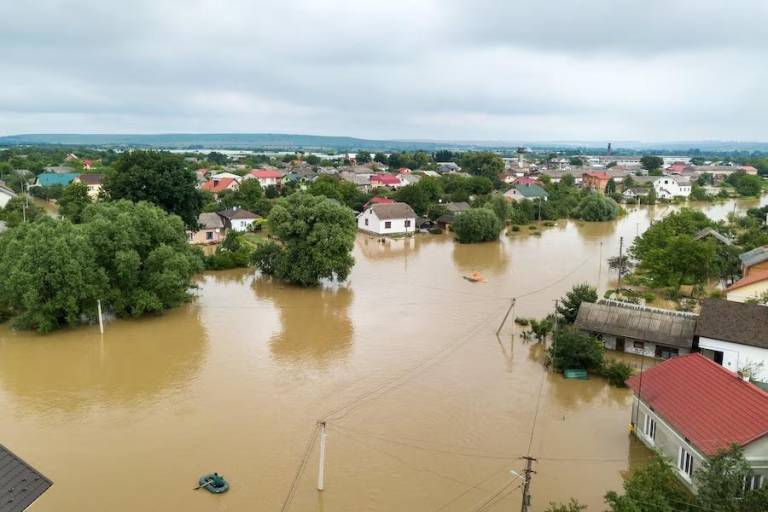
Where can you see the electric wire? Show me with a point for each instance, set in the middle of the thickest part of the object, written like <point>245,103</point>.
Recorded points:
<point>297,478</point>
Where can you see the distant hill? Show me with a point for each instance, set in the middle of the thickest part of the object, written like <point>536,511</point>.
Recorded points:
<point>289,142</point>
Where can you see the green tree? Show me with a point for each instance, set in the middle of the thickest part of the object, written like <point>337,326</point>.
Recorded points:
<point>49,278</point>
<point>144,253</point>
<point>721,484</point>
<point>596,207</point>
<point>420,195</point>
<point>745,184</point>
<point>653,487</point>
<point>485,164</point>
<point>249,194</point>
<point>73,201</point>
<point>17,208</point>
<point>158,177</point>
<point>573,349</point>
<point>500,206</point>
<point>651,163</point>
<point>363,157</point>
<point>217,158</point>
<point>316,237</point>
<point>610,187</point>
<point>572,506</point>
<point>576,161</point>
<point>568,306</point>
<point>342,191</point>
<point>477,225</point>
<point>380,157</point>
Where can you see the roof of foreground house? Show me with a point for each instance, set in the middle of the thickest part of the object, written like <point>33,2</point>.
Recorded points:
<point>755,256</point>
<point>736,322</point>
<point>385,179</point>
<point>90,178</point>
<point>710,406</point>
<point>528,191</point>
<point>210,221</point>
<point>237,213</point>
<point>266,174</point>
<point>666,327</point>
<point>20,483</point>
<point>393,211</point>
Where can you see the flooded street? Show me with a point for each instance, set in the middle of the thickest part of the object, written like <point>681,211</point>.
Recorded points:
<point>427,409</point>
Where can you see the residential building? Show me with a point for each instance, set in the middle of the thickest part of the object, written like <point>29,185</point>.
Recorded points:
<point>689,408</point>
<point>59,169</point>
<point>452,211</point>
<point>595,180</point>
<point>754,260</point>
<point>635,193</point>
<point>266,177</point>
<point>640,330</point>
<point>447,167</point>
<point>6,194</point>
<point>408,179</point>
<point>385,180</point>
<point>49,179</point>
<point>753,288</point>
<point>556,175</point>
<point>734,335</point>
<point>387,219</point>
<point>238,219</point>
<point>526,180</point>
<point>21,484</point>
<point>226,175</point>
<point>713,233</point>
<point>93,181</point>
<point>216,187</point>
<point>210,230</point>
<point>525,192</point>
<point>669,187</point>
<point>88,164</point>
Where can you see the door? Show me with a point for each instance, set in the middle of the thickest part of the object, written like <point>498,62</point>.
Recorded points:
<point>620,344</point>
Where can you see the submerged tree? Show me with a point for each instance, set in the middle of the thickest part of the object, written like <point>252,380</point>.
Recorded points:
<point>315,240</point>
<point>568,306</point>
<point>477,225</point>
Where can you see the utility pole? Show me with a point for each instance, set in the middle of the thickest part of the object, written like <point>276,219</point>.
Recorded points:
<point>321,466</point>
<point>101,321</point>
<point>621,260</point>
<point>511,305</point>
<point>557,315</point>
<point>527,484</point>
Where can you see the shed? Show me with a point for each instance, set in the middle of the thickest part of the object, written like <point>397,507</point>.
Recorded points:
<point>20,483</point>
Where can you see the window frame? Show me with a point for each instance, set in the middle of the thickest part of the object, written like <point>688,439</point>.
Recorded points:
<point>649,428</point>
<point>685,463</point>
<point>387,224</point>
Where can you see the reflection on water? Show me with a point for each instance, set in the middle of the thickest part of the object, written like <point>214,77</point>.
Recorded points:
<point>235,382</point>
<point>315,324</point>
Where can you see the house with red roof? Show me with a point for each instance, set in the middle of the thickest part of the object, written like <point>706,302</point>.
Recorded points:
<point>595,180</point>
<point>385,180</point>
<point>378,200</point>
<point>689,408</point>
<point>266,177</point>
<point>216,186</point>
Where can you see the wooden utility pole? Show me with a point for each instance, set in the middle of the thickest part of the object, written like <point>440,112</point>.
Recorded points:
<point>321,466</point>
<point>527,484</point>
<point>621,260</point>
<point>511,305</point>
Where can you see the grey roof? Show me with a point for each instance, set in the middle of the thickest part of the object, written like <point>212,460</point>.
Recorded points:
<point>237,213</point>
<point>714,233</point>
<point>6,190</point>
<point>736,322</point>
<point>754,256</point>
<point>665,327</point>
<point>210,221</point>
<point>20,483</point>
<point>393,211</point>
<point>457,207</point>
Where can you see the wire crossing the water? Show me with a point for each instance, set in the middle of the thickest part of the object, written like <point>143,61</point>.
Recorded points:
<point>300,470</point>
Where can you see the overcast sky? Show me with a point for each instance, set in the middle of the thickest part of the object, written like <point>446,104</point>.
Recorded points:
<point>650,70</point>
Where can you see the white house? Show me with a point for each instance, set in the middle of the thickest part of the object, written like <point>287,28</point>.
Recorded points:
<point>689,409</point>
<point>238,219</point>
<point>93,182</point>
<point>668,187</point>
<point>266,177</point>
<point>387,219</point>
<point>734,335</point>
<point>226,175</point>
<point>6,194</point>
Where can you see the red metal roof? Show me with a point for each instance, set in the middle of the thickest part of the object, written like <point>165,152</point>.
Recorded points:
<point>265,173</point>
<point>707,404</point>
<point>217,186</point>
<point>385,179</point>
<point>379,200</point>
<point>598,175</point>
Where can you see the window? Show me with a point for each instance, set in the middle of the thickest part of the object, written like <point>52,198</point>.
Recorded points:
<point>685,462</point>
<point>408,223</point>
<point>387,225</point>
<point>209,235</point>
<point>639,345</point>
<point>649,428</point>
<point>753,482</point>
<point>366,222</point>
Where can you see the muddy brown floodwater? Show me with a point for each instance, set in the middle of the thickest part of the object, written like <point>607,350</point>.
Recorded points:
<point>235,381</point>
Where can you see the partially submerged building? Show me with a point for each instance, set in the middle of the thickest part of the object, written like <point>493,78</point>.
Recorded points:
<point>640,330</point>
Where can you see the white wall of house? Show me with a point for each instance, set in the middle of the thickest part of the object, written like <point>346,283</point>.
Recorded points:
<point>667,187</point>
<point>4,198</point>
<point>751,291</point>
<point>241,225</point>
<point>369,221</point>
<point>736,356</point>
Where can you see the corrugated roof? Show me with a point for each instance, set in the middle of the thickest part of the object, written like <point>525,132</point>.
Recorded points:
<point>755,256</point>
<point>736,322</point>
<point>712,232</point>
<point>710,406</point>
<point>393,211</point>
<point>670,328</point>
<point>48,179</point>
<point>210,221</point>
<point>20,483</point>
<point>90,178</point>
<point>238,213</point>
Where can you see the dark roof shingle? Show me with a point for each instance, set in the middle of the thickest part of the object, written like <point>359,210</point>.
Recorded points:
<point>736,322</point>
<point>393,211</point>
<point>20,483</point>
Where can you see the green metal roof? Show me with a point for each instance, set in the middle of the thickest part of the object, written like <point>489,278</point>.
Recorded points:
<point>48,179</point>
<point>531,191</point>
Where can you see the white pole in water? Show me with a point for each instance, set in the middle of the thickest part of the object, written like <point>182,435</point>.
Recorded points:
<point>101,321</point>
<point>321,467</point>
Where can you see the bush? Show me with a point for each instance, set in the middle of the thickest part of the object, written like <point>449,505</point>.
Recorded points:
<point>522,321</point>
<point>514,228</point>
<point>436,230</point>
<point>573,349</point>
<point>596,208</point>
<point>617,372</point>
<point>649,297</point>
<point>477,225</point>
<point>532,228</point>
<point>549,223</point>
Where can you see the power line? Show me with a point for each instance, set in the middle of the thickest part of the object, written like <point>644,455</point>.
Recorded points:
<point>550,285</point>
<point>295,483</point>
<point>464,493</point>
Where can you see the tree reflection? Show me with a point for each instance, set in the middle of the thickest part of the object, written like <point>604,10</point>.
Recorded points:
<point>488,258</point>
<point>135,361</point>
<point>315,321</point>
